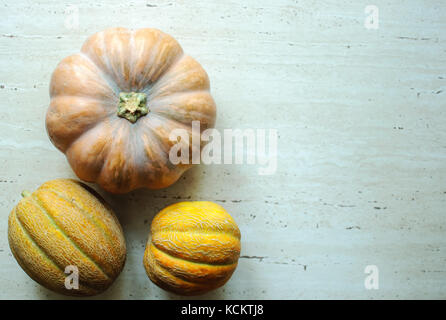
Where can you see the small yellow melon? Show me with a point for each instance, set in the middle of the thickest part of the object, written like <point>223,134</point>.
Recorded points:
<point>193,248</point>
<point>60,225</point>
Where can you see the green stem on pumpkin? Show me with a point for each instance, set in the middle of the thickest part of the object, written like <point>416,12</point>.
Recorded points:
<point>132,105</point>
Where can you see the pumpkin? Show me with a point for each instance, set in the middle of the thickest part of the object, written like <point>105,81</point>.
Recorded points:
<point>63,224</point>
<point>114,105</point>
<point>193,248</point>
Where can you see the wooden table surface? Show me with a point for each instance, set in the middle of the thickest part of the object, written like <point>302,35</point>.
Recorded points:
<point>361,118</point>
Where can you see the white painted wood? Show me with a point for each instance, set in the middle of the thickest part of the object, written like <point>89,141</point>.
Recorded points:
<point>361,116</point>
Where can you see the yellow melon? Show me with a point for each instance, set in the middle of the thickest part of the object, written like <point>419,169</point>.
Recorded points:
<point>60,225</point>
<point>193,248</point>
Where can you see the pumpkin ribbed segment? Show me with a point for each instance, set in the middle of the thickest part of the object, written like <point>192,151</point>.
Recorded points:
<point>193,248</point>
<point>62,224</point>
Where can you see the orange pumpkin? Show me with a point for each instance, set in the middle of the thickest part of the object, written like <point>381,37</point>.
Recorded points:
<point>114,104</point>
<point>193,248</point>
<point>63,225</point>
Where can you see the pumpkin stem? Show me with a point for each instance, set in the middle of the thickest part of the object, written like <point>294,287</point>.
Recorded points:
<point>132,105</point>
<point>26,193</point>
